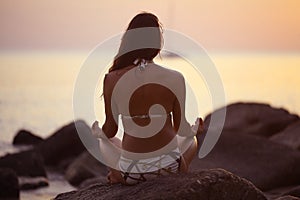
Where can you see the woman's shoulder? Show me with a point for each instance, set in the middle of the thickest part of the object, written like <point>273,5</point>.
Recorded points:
<point>110,79</point>
<point>170,72</point>
<point>160,71</point>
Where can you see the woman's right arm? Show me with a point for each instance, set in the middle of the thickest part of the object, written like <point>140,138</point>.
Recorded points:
<point>181,125</point>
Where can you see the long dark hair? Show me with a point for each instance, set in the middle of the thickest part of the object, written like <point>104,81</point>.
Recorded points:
<point>139,39</point>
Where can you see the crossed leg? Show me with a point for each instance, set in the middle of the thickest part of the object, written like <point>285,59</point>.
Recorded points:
<point>189,148</point>
<point>110,149</point>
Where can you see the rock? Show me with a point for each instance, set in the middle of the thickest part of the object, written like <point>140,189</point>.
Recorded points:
<point>85,167</point>
<point>27,163</point>
<point>24,137</point>
<point>213,184</point>
<point>254,119</point>
<point>288,197</point>
<point>65,143</point>
<point>295,191</point>
<point>266,164</point>
<point>9,186</point>
<point>283,191</point>
<point>92,181</point>
<point>289,136</point>
<point>26,183</point>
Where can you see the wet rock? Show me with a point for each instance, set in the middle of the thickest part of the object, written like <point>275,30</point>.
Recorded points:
<point>65,143</point>
<point>29,183</point>
<point>289,136</point>
<point>24,137</point>
<point>27,163</point>
<point>9,186</point>
<point>253,118</point>
<point>85,167</point>
<point>208,184</point>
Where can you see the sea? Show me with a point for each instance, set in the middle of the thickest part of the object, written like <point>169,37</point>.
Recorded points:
<point>36,91</point>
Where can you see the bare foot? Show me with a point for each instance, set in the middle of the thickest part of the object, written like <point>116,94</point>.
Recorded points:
<point>115,177</point>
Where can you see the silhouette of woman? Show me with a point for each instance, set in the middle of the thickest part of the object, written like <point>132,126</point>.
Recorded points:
<point>150,101</point>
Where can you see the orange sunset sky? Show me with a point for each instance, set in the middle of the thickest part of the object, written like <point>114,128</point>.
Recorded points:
<point>256,25</point>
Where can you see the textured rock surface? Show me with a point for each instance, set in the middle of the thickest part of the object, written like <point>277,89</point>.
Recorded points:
<point>92,181</point>
<point>292,190</point>
<point>209,184</point>
<point>9,186</point>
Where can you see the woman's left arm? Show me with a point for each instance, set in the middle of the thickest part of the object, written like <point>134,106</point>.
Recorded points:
<point>110,126</point>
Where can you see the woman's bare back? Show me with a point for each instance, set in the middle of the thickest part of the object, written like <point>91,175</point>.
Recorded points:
<point>141,101</point>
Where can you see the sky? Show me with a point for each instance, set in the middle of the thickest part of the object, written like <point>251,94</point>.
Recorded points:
<point>231,25</point>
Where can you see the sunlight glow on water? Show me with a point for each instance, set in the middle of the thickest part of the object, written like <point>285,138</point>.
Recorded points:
<point>36,88</point>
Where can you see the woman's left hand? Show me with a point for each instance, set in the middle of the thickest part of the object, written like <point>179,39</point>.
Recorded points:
<point>97,132</point>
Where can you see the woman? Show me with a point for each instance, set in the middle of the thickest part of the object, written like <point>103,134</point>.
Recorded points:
<point>153,116</point>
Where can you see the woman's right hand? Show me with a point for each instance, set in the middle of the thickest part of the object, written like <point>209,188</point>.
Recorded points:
<point>198,127</point>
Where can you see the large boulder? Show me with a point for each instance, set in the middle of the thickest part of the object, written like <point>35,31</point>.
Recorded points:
<point>85,167</point>
<point>29,167</point>
<point>24,137</point>
<point>65,144</point>
<point>289,136</point>
<point>213,184</point>
<point>253,118</point>
<point>27,163</point>
<point>266,164</point>
<point>9,186</point>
